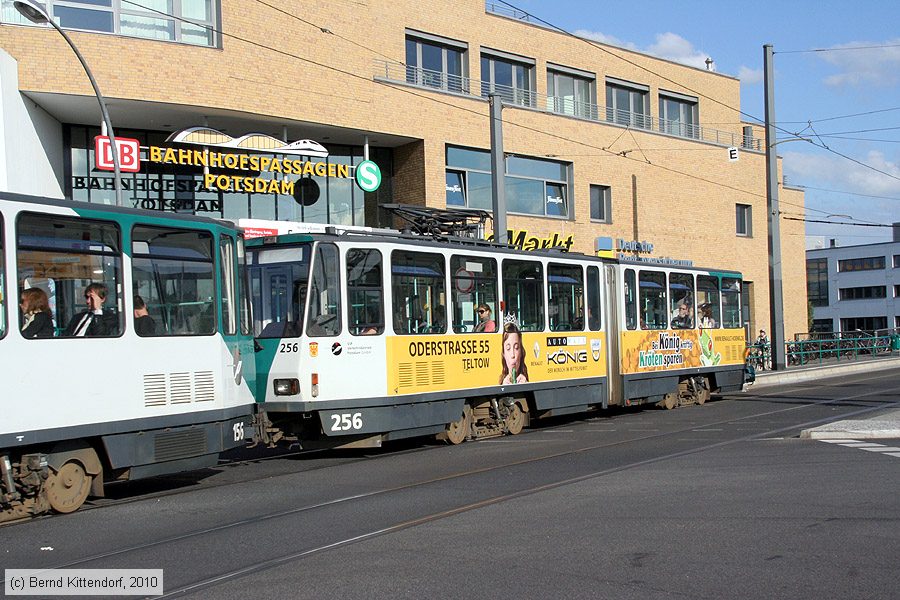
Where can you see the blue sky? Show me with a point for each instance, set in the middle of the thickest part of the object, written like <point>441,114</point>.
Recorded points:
<point>809,86</point>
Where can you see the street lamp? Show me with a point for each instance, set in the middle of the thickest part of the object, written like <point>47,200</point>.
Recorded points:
<point>39,16</point>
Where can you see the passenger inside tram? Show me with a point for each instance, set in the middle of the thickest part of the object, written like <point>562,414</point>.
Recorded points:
<point>37,320</point>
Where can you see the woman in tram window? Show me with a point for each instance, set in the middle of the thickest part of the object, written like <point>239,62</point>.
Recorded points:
<point>485,322</point>
<point>37,320</point>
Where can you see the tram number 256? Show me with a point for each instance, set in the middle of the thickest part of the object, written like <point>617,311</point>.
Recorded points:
<point>346,421</point>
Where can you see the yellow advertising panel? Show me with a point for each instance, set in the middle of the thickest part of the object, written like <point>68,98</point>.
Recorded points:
<point>670,349</point>
<point>433,363</point>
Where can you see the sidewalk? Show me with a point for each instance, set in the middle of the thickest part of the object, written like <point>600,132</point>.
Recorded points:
<point>886,425</point>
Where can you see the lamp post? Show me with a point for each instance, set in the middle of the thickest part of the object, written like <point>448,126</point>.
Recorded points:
<point>38,15</point>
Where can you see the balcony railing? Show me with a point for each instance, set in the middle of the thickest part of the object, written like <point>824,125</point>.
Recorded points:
<point>401,73</point>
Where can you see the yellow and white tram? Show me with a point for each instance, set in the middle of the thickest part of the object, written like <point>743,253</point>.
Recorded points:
<point>123,338</point>
<point>366,337</point>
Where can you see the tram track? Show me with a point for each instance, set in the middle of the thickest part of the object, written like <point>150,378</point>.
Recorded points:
<point>460,475</point>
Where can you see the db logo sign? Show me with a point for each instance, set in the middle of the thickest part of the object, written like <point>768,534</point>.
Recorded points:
<point>128,149</point>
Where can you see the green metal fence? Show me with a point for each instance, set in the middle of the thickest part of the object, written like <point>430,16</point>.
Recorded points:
<point>824,350</point>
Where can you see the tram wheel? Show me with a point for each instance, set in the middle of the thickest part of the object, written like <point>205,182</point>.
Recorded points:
<point>458,431</point>
<point>702,390</point>
<point>68,488</point>
<point>669,401</point>
<point>515,420</point>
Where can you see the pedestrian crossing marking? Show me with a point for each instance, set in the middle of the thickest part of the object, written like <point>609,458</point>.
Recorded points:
<point>869,446</point>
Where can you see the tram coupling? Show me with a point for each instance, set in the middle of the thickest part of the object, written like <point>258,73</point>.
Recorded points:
<point>263,431</point>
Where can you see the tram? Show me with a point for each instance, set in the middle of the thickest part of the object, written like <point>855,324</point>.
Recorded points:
<point>365,337</point>
<point>126,348</point>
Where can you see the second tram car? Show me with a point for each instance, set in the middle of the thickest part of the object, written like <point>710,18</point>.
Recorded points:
<point>129,354</point>
<point>363,338</point>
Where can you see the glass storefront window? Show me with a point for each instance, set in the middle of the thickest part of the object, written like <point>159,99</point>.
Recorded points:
<point>172,188</point>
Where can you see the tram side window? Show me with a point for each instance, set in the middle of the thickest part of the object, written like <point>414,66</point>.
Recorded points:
<point>417,286</point>
<point>324,315</point>
<point>594,303</point>
<point>2,283</point>
<point>681,295</point>
<point>565,297</point>
<point>365,292</point>
<point>229,292</point>
<point>278,288</point>
<point>63,256</point>
<point>731,302</point>
<point>523,296</point>
<point>630,300</point>
<point>708,301</point>
<point>652,299</point>
<point>243,287</point>
<point>173,273</point>
<point>474,285</point>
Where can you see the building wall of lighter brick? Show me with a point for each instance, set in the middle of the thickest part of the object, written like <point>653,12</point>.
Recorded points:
<point>686,190</point>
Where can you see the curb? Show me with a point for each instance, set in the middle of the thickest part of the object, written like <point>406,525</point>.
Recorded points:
<point>813,373</point>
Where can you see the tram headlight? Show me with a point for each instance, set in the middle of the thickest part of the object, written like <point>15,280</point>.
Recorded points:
<point>287,387</point>
<point>314,391</point>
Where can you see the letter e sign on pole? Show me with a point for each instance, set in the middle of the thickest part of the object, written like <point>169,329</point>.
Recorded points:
<point>129,154</point>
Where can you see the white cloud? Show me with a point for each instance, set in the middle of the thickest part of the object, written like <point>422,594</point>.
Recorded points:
<point>669,46</point>
<point>673,47</point>
<point>601,37</point>
<point>842,174</point>
<point>872,66</point>
<point>750,76</point>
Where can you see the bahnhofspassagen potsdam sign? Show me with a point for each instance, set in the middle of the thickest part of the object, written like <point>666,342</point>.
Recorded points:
<point>225,171</point>
<point>250,163</point>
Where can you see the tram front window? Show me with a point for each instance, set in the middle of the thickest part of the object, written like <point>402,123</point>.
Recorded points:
<point>279,279</point>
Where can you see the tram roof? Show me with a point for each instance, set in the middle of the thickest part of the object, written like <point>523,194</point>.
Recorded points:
<point>399,237</point>
<point>116,210</point>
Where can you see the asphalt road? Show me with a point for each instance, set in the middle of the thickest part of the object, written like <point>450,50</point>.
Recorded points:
<point>716,501</point>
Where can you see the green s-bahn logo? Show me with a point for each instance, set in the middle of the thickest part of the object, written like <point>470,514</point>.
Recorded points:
<point>368,176</point>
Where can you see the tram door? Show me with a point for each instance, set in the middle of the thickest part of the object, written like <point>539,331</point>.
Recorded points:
<point>240,361</point>
<point>613,337</point>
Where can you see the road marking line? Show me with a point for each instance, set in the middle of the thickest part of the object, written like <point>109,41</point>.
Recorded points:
<point>883,449</point>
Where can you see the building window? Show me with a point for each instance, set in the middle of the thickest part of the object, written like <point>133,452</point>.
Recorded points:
<point>744,222</point>
<point>678,115</point>
<point>817,281</point>
<point>627,103</point>
<point>863,293</point>
<point>436,62</point>
<point>897,291</point>
<point>822,326</point>
<point>533,186</point>
<point>185,21</point>
<point>570,93</point>
<point>871,263</point>
<point>601,203</point>
<point>511,78</point>
<point>897,261</point>
<point>863,324</point>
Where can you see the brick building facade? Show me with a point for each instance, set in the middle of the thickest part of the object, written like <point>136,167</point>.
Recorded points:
<point>649,139</point>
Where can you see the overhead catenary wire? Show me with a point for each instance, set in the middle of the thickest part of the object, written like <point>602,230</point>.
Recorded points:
<point>693,91</point>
